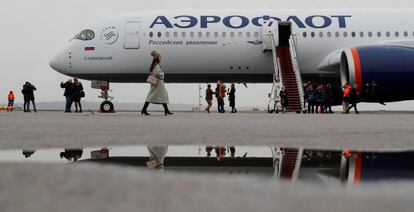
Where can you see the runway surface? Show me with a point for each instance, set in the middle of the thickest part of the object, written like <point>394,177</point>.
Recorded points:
<point>374,131</point>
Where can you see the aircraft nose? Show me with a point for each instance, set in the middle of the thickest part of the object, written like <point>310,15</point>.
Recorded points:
<point>58,63</point>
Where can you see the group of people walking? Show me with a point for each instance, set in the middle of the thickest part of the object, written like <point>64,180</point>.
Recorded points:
<point>73,93</point>
<point>319,98</point>
<point>220,94</point>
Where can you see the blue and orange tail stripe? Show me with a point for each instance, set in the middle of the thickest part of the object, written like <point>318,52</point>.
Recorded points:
<point>357,66</point>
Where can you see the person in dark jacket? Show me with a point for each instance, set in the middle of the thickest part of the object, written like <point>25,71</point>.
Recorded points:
<point>209,98</point>
<point>328,98</point>
<point>68,86</point>
<point>310,93</point>
<point>284,99</point>
<point>232,98</point>
<point>353,99</point>
<point>78,93</point>
<point>320,99</point>
<point>28,94</point>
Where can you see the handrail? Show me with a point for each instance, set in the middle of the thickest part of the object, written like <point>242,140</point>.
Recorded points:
<point>297,165</point>
<point>293,54</point>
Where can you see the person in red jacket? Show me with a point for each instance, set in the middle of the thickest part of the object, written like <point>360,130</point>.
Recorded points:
<point>10,97</point>
<point>345,97</point>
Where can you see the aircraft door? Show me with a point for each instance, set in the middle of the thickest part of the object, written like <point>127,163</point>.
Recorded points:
<point>132,35</point>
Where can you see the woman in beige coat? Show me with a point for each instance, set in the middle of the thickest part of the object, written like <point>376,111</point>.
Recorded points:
<point>157,94</point>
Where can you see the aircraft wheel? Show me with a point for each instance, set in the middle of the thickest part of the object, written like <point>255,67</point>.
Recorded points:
<point>107,107</point>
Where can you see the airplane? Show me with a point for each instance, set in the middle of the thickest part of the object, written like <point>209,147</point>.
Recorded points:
<point>372,48</point>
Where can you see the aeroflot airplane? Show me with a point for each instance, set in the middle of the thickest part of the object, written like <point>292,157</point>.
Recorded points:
<point>372,48</point>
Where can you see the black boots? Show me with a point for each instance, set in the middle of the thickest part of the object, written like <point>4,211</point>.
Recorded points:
<point>167,112</point>
<point>144,109</point>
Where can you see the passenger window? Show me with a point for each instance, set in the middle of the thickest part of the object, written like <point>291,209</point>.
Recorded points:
<point>216,34</point>
<point>167,34</point>
<point>223,34</point>
<point>388,34</point>
<point>320,34</point>
<point>159,34</point>
<point>200,34</point>
<point>353,34</point>
<point>248,34</point>
<point>305,34</point>
<point>240,34</point>
<point>336,34</point>
<point>183,34</point>
<point>379,34</point>
<point>208,34</point>
<point>312,34</point>
<point>369,34</point>
<point>329,34</point>
<point>397,34</point>
<point>361,34</point>
<point>345,34</point>
<point>256,34</point>
<point>175,34</point>
<point>151,34</point>
<point>191,34</point>
<point>232,34</point>
<point>405,34</point>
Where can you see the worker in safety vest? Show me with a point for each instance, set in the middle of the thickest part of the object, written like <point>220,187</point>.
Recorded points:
<point>10,97</point>
<point>345,97</point>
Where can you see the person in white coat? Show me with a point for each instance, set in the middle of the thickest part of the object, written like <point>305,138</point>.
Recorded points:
<point>157,94</point>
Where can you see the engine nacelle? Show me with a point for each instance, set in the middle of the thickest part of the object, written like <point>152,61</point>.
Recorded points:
<point>383,73</point>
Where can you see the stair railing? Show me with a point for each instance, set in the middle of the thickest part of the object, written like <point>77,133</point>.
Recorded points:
<point>292,49</point>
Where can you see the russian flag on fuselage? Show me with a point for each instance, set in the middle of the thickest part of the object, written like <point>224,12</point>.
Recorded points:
<point>89,48</point>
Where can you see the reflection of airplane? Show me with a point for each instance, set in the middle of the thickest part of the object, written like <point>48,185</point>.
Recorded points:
<point>307,165</point>
<point>337,46</point>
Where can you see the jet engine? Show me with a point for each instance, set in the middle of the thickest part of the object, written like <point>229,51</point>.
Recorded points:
<point>383,73</point>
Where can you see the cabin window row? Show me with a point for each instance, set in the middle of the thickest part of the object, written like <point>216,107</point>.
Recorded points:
<point>356,34</point>
<point>204,34</point>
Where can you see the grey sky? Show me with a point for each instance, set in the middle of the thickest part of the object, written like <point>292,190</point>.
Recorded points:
<point>33,31</point>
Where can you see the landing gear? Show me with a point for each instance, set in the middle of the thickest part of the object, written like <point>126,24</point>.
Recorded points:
<point>107,106</point>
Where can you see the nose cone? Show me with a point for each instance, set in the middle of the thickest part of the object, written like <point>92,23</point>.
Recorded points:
<point>58,63</point>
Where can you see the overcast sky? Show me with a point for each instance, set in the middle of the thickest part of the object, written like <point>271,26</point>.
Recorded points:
<point>33,31</point>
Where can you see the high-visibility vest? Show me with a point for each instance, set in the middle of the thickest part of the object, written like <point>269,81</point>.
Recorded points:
<point>347,90</point>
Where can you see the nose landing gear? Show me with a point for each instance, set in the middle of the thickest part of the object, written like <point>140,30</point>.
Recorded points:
<point>106,106</point>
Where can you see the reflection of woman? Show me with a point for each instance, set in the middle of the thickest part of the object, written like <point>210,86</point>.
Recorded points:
<point>157,94</point>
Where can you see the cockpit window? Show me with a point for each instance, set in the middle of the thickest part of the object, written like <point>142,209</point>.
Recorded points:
<point>85,35</point>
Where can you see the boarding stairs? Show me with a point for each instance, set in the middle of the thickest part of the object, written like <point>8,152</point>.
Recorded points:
<point>287,162</point>
<point>280,41</point>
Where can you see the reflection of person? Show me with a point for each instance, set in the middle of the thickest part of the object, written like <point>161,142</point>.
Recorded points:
<point>77,94</point>
<point>72,154</point>
<point>209,98</point>
<point>68,86</point>
<point>157,156</point>
<point>28,153</point>
<point>158,93</point>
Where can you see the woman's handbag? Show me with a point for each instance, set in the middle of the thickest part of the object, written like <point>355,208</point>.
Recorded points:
<point>152,80</point>
<point>82,94</point>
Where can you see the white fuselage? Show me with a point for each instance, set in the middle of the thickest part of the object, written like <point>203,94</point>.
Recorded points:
<point>207,45</point>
